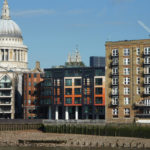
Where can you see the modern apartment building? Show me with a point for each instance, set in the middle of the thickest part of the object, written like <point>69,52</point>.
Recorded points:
<point>97,61</point>
<point>128,81</point>
<point>73,93</point>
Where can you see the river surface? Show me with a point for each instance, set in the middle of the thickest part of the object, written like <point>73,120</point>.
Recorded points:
<point>60,148</point>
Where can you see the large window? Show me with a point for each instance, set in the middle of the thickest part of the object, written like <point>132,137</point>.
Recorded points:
<point>126,52</point>
<point>127,111</point>
<point>99,100</point>
<point>138,60</point>
<point>68,82</point>
<point>126,100</point>
<point>77,100</point>
<point>147,80</point>
<point>115,91</point>
<point>115,111</point>
<point>115,52</point>
<point>114,81</point>
<point>99,91</point>
<point>77,82</point>
<point>115,61</point>
<point>115,101</point>
<point>68,91</point>
<point>147,90</point>
<point>126,81</point>
<point>126,61</point>
<point>147,60</point>
<point>77,91</point>
<point>147,50</point>
<point>126,71</point>
<point>87,91</point>
<point>115,71</point>
<point>98,81</point>
<point>68,100</point>
<point>138,51</point>
<point>126,91</point>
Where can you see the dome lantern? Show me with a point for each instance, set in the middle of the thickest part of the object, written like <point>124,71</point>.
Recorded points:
<point>5,11</point>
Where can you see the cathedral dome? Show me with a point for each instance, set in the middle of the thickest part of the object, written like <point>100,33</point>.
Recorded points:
<point>8,28</point>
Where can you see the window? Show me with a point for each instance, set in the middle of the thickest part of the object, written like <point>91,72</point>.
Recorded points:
<point>126,100</point>
<point>126,52</point>
<point>147,80</point>
<point>114,81</point>
<point>77,91</point>
<point>35,75</point>
<point>87,91</point>
<point>147,90</point>
<point>138,80</point>
<point>99,100</point>
<point>126,81</point>
<point>138,90</point>
<point>115,61</point>
<point>68,82</point>
<point>29,75</point>
<point>85,101</point>
<point>115,111</point>
<point>138,51</point>
<point>147,70</point>
<point>115,71</point>
<point>99,81</point>
<point>29,92</point>
<point>147,60</point>
<point>68,91</point>
<point>99,91</point>
<point>77,100</point>
<point>126,61</point>
<point>115,101</point>
<point>115,91</point>
<point>77,82</point>
<point>126,71</point>
<point>29,102</point>
<point>137,70</point>
<point>34,83</point>
<point>147,50</point>
<point>126,91</point>
<point>138,60</point>
<point>68,100</point>
<point>127,111</point>
<point>115,52</point>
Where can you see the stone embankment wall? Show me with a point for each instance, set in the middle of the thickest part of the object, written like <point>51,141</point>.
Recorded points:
<point>37,139</point>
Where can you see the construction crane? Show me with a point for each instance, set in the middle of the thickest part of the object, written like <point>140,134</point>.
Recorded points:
<point>144,26</point>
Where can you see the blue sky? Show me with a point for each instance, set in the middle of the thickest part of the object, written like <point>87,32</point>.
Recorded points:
<point>52,28</point>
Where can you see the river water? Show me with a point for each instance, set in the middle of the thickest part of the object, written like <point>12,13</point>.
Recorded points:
<point>59,148</point>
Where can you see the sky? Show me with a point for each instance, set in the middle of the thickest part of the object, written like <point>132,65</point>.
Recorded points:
<point>53,28</point>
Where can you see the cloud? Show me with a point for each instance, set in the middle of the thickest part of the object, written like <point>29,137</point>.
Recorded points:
<point>34,12</point>
<point>76,12</point>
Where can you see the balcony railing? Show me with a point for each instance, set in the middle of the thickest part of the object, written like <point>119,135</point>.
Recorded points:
<point>142,115</point>
<point>113,104</point>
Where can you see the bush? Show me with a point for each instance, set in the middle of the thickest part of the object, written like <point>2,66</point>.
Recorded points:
<point>108,130</point>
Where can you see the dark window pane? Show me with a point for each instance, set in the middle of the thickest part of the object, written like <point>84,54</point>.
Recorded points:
<point>99,81</point>
<point>99,91</point>
<point>99,100</point>
<point>77,82</point>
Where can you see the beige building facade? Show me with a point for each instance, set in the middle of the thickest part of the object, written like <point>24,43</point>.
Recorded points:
<point>128,81</point>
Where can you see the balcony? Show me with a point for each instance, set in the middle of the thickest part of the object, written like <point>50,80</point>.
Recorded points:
<point>112,104</point>
<point>142,115</point>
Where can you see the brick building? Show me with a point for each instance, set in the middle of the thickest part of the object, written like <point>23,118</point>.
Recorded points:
<point>31,92</point>
<point>128,81</point>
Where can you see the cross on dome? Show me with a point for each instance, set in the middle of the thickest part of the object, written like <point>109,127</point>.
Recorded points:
<point>5,11</point>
